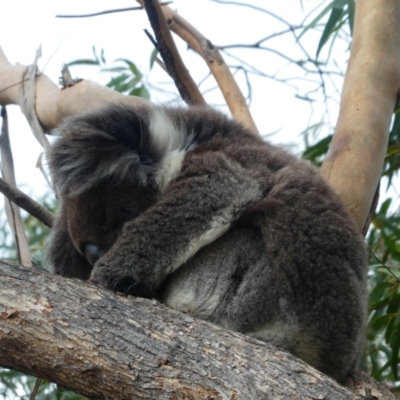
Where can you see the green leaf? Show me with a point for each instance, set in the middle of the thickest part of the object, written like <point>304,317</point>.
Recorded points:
<point>385,207</point>
<point>83,61</point>
<point>140,92</point>
<point>379,291</point>
<point>131,66</point>
<point>116,69</point>
<point>394,305</point>
<point>395,132</point>
<point>379,324</point>
<point>351,11</point>
<point>318,149</point>
<point>339,3</point>
<point>334,18</point>
<point>117,81</point>
<point>389,329</point>
<point>395,345</point>
<point>153,56</point>
<point>315,20</point>
<point>380,304</point>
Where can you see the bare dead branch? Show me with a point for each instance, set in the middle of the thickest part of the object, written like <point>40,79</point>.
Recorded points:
<point>173,62</point>
<point>354,163</point>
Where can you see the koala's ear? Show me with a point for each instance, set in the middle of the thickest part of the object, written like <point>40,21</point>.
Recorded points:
<point>64,259</point>
<point>112,143</point>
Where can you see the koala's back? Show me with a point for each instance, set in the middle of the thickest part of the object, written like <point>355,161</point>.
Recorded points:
<point>292,269</point>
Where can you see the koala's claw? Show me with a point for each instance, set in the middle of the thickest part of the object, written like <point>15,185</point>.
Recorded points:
<point>129,286</point>
<point>124,285</point>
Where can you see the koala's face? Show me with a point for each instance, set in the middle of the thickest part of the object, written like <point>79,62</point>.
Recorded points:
<point>96,217</point>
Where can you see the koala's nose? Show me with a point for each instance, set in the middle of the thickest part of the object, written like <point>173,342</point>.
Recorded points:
<point>92,252</point>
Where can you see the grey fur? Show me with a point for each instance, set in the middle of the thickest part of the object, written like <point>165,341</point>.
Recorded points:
<point>214,222</point>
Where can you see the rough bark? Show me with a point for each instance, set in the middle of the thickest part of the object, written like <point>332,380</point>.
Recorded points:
<point>105,346</point>
<point>353,166</point>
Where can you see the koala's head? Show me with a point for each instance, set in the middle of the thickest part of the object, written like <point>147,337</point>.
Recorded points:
<point>107,167</point>
<point>94,218</point>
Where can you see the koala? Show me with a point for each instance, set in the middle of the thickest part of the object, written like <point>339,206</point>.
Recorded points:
<point>188,207</point>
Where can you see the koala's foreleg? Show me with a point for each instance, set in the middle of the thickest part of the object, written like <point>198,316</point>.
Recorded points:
<point>199,206</point>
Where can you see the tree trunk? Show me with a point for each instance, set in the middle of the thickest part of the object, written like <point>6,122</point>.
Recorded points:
<point>353,166</point>
<point>104,346</point>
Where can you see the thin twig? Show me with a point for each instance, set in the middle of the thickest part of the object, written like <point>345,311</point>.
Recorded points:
<point>384,266</point>
<point>263,10</point>
<point>116,10</point>
<point>36,389</point>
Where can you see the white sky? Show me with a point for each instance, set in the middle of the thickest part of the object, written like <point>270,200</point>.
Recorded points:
<point>26,24</point>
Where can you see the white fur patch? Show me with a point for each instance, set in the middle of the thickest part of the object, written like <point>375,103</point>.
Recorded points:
<point>170,168</point>
<point>171,141</point>
<point>165,136</point>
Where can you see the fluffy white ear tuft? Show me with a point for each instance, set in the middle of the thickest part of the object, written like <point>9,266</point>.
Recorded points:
<point>169,138</point>
<point>165,136</point>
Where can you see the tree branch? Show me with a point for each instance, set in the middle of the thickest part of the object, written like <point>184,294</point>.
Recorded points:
<point>230,90</point>
<point>186,86</point>
<point>26,203</point>
<point>104,346</point>
<point>52,103</point>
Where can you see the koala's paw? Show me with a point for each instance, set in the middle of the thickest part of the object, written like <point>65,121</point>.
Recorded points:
<point>128,286</point>
<point>118,281</point>
<point>125,285</point>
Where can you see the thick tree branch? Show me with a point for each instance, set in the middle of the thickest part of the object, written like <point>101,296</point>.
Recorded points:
<point>52,103</point>
<point>353,166</point>
<point>104,346</point>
